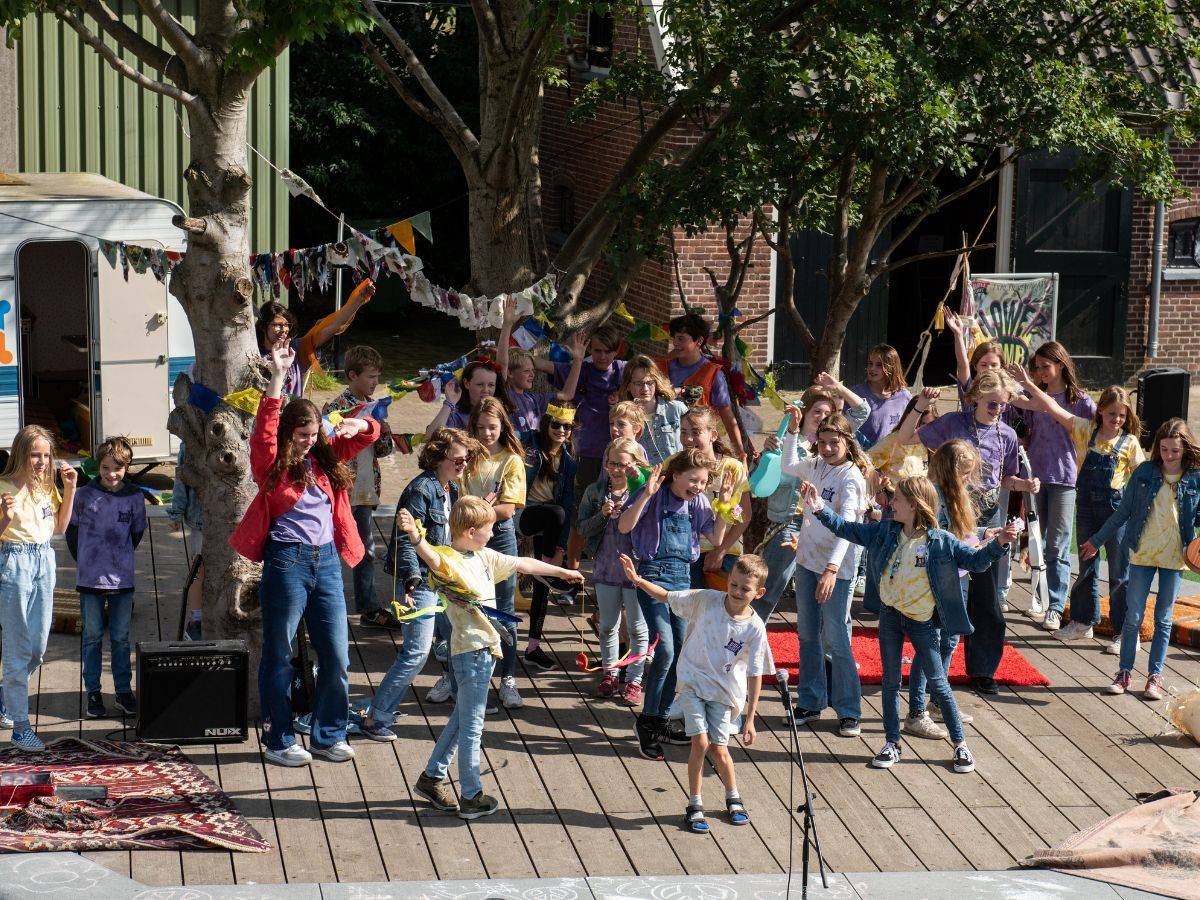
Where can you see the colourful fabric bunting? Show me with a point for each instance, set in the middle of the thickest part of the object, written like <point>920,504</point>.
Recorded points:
<point>246,400</point>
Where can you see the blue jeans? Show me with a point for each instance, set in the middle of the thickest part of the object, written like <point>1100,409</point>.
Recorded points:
<point>1056,509</point>
<point>1085,595</point>
<point>926,641</point>
<point>303,581</point>
<point>27,574</point>
<point>365,598</point>
<point>821,628</point>
<point>120,609</point>
<point>418,639</point>
<point>504,540</point>
<point>658,681</point>
<point>464,729</point>
<point>1140,578</point>
<point>916,674</point>
<point>781,566</point>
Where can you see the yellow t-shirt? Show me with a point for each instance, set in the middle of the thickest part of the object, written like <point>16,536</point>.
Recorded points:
<point>479,573</point>
<point>1130,458</point>
<point>34,516</point>
<point>905,582</point>
<point>889,456</point>
<point>1160,546</point>
<point>741,490</point>
<point>505,467</point>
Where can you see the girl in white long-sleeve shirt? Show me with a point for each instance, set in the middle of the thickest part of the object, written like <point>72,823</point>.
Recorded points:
<point>826,565</point>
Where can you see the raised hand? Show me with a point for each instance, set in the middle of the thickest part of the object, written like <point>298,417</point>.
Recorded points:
<point>725,494</point>
<point>827,382</point>
<point>68,474</point>
<point>367,293</point>
<point>1020,374</point>
<point>578,346</point>
<point>511,316</point>
<point>348,428</point>
<point>453,391</point>
<point>955,323</point>
<point>654,480</point>
<point>630,568</point>
<point>406,523</point>
<point>796,415</point>
<point>282,357</point>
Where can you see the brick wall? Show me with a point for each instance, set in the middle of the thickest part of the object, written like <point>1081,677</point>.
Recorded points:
<point>1179,301</point>
<point>583,157</point>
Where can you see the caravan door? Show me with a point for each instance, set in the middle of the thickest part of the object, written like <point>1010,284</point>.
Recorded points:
<point>131,359</point>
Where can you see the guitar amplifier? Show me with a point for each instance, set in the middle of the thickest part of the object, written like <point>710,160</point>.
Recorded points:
<point>1162,393</point>
<point>192,692</point>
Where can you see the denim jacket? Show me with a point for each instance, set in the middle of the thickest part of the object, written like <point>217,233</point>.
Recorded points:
<point>564,489</point>
<point>425,499</point>
<point>946,555</point>
<point>1139,499</point>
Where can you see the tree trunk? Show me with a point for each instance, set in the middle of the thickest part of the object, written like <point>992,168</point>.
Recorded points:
<point>844,297</point>
<point>213,286</point>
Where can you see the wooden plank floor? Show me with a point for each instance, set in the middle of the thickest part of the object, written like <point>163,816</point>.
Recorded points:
<point>576,799</point>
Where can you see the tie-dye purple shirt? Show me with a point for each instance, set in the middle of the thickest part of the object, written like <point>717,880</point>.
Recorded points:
<point>106,527</point>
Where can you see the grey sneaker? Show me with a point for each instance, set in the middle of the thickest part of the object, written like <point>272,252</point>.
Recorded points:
<point>924,727</point>
<point>1075,631</point>
<point>336,752</point>
<point>1113,647</point>
<point>440,692</point>
<point>477,807</point>
<point>436,792</point>
<point>510,698</point>
<point>1053,621</point>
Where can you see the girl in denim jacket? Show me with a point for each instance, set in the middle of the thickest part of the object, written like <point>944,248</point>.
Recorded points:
<point>1160,512</point>
<point>914,567</point>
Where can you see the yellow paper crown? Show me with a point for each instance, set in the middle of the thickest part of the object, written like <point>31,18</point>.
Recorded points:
<point>561,413</point>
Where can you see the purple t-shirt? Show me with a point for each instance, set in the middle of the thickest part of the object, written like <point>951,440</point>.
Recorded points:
<point>105,529</point>
<point>530,407</point>
<point>646,532</point>
<point>718,397</point>
<point>457,418</point>
<point>1051,450</point>
<point>310,521</point>
<point>997,444</point>
<point>606,566</point>
<point>591,401</point>
<point>885,413</point>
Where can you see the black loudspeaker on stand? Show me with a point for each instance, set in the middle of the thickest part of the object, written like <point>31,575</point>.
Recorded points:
<point>1162,393</point>
<point>805,808</point>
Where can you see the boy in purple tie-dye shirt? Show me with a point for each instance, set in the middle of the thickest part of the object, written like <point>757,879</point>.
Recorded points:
<point>106,527</point>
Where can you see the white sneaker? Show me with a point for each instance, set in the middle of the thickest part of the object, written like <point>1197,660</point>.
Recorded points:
<point>1053,621</point>
<point>1075,631</point>
<point>338,752</point>
<point>440,692</point>
<point>509,698</point>
<point>924,727</point>
<point>1113,647</point>
<point>963,716</point>
<point>860,585</point>
<point>291,757</point>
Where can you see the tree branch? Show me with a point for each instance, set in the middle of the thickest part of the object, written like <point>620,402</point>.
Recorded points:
<point>173,32</point>
<point>145,51</point>
<point>397,83</point>
<point>883,268</point>
<point>461,133</point>
<point>530,58</point>
<point>489,28</point>
<point>114,60</point>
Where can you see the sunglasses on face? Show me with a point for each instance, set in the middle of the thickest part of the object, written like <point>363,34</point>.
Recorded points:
<point>996,406</point>
<point>458,460</point>
<point>563,426</point>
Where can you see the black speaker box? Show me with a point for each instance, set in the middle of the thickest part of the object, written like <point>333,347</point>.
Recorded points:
<point>192,692</point>
<point>1162,393</point>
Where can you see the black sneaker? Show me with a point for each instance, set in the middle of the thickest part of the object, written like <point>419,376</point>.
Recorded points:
<point>803,716</point>
<point>848,727</point>
<point>127,703</point>
<point>982,684</point>
<point>673,733</point>
<point>963,760</point>
<point>95,705</point>
<point>540,659</point>
<point>380,618</point>
<point>647,735</point>
<point>476,807</point>
<point>193,631</point>
<point>887,757</point>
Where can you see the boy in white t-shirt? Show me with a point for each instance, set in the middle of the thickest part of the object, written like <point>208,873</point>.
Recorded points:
<point>719,672</point>
<point>466,574</point>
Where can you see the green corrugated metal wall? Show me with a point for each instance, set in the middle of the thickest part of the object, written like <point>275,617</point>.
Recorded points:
<point>79,115</point>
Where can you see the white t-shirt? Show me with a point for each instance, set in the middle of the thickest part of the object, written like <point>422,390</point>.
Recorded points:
<point>844,490</point>
<point>719,652</point>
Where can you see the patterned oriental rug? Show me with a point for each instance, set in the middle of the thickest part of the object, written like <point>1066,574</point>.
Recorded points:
<point>1014,668</point>
<point>157,800</point>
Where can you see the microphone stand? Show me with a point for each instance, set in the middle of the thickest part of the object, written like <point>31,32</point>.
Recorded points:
<point>805,808</point>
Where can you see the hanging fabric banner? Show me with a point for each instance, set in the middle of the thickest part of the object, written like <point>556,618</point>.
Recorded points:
<point>1018,311</point>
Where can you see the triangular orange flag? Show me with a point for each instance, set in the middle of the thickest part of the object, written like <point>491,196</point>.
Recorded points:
<point>403,233</point>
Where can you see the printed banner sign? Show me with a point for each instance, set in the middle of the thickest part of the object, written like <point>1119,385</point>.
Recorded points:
<point>1017,310</point>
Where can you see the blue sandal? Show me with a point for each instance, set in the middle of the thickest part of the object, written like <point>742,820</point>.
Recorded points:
<point>737,812</point>
<point>693,818</point>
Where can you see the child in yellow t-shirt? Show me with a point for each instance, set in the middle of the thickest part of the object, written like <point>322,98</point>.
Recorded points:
<point>499,478</point>
<point>698,430</point>
<point>31,512</point>
<point>1159,513</point>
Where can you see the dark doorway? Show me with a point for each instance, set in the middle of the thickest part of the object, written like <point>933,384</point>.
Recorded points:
<point>1084,236</point>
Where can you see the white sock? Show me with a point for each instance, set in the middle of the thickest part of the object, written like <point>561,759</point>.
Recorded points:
<point>695,800</point>
<point>732,795</point>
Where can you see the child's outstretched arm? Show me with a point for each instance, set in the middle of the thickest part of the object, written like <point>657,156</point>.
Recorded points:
<point>406,523</point>
<point>578,350</point>
<point>527,565</point>
<point>649,587</point>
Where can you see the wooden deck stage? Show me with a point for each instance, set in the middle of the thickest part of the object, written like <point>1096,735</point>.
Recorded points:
<point>576,799</point>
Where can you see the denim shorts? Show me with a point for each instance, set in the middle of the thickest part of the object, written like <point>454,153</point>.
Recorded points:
<point>700,716</point>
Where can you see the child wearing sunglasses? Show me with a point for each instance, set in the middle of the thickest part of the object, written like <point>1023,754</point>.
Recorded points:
<point>549,510</point>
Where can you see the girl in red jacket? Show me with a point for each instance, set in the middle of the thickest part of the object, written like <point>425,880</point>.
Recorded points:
<point>297,525</point>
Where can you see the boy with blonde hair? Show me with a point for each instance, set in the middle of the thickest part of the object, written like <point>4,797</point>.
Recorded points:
<point>466,574</point>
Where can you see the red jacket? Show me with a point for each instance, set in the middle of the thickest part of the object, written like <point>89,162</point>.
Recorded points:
<point>250,536</point>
